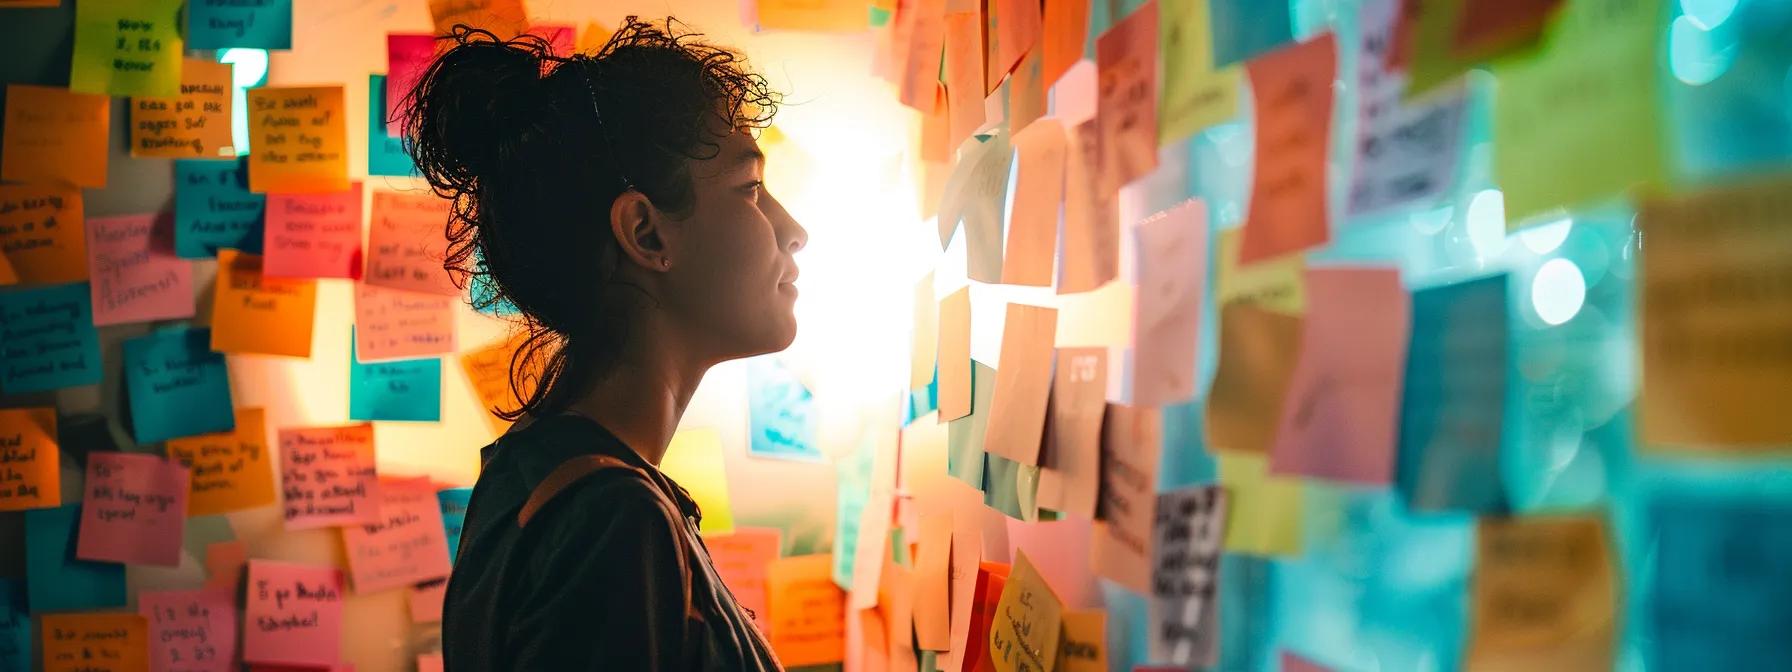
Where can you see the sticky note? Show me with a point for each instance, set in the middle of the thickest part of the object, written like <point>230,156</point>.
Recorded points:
<point>134,510</point>
<point>190,630</point>
<point>1454,399</point>
<point>1486,28</point>
<point>1018,31</point>
<point>1024,634</point>
<point>742,558</point>
<point>1017,410</point>
<point>315,235</point>
<point>213,208</point>
<point>504,18</point>
<point>781,412</point>
<point>134,280</point>
<point>955,355</point>
<point>974,652</point>
<point>1244,29</point>
<point>454,502</point>
<point>327,476</point>
<point>1263,512</point>
<point>1185,548</point>
<point>406,243</point>
<point>797,15</point>
<point>1064,34</point>
<point>694,459</point>
<point>55,135</point>
<point>30,459</point>
<point>808,611</point>
<point>292,614</point>
<point>224,564</point>
<point>59,580</point>
<point>1059,551</point>
<point>1083,646</point>
<point>408,389</point>
<point>1716,583</point>
<point>1406,152</point>
<point>925,339</point>
<point>1272,284</point>
<point>408,56</point>
<point>47,339</point>
<point>1071,478</point>
<point>920,83</point>
<point>257,315</point>
<point>427,601</point>
<point>488,371</point>
<point>1195,94</point>
<point>963,62</point>
<point>1292,88</point>
<point>407,545</point>
<point>1258,352</point>
<point>41,233</point>
<point>852,487</point>
<point>193,124</point>
<point>1544,595</point>
<point>1011,487</point>
<point>298,140</point>
<point>1131,441</point>
<point>230,470</point>
<point>15,627</point>
<point>1172,268</point>
<point>95,642</point>
<point>1294,663</point>
<point>396,324</point>
<point>974,194</point>
<point>932,606</point>
<point>896,600</point>
<point>1126,105</point>
<point>560,37</point>
<point>1039,188</point>
<point>1710,348</point>
<point>963,575</point>
<point>1026,96</point>
<point>223,24</point>
<point>1091,255</point>
<point>127,48</point>
<point>872,542</point>
<point>1425,45</point>
<point>178,386</point>
<point>385,153</point>
<point>965,456</point>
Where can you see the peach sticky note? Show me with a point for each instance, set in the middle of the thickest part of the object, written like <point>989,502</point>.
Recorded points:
<point>127,47</point>
<point>231,470</point>
<point>1023,382</point>
<point>933,625</point>
<point>134,510</point>
<point>921,77</point>
<point>328,476</point>
<point>1017,29</point>
<point>1091,215</point>
<point>1292,87</point>
<point>1038,190</point>
<point>955,355</point>
<point>95,642</point>
<point>1172,268</point>
<point>224,564</point>
<point>396,324</point>
<point>41,233</point>
<point>808,611</point>
<point>1084,645</point>
<point>1258,350</point>
<point>1024,634</point>
<point>313,235</point>
<point>192,125</point>
<point>406,242</point>
<point>964,75</point>
<point>1545,597</point>
<point>695,461</point>
<point>1063,38</point>
<point>407,545</point>
<point>292,614</point>
<point>741,558</point>
<point>133,278</point>
<point>55,135</point>
<point>504,18</point>
<point>1126,106</point>
<point>1131,441</point>
<point>298,140</point>
<point>30,461</point>
<point>427,601</point>
<point>191,630</point>
<point>488,370</point>
<point>1071,478</point>
<point>257,315</point>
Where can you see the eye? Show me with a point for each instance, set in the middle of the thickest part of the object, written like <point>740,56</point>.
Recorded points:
<point>753,188</point>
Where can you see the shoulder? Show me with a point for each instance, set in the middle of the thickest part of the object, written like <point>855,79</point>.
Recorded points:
<point>611,503</point>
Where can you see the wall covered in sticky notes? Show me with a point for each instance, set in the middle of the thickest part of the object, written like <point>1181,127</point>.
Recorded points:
<point>1346,335</point>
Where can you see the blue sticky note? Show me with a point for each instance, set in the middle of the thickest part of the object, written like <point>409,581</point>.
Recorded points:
<point>222,24</point>
<point>15,628</point>
<point>454,515</point>
<point>1453,409</point>
<point>1722,598</point>
<point>1243,29</point>
<point>57,581</point>
<point>213,208</point>
<point>782,412</point>
<point>964,436</point>
<point>409,389</point>
<point>178,386</point>
<point>47,339</point>
<point>385,154</point>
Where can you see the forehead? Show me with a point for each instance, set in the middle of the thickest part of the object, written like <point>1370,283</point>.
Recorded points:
<point>733,151</point>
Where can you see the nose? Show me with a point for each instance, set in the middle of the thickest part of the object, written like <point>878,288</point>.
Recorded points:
<point>791,235</point>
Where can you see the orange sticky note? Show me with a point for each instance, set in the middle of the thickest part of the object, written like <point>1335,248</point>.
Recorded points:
<point>1292,87</point>
<point>974,654</point>
<point>1026,93</point>
<point>252,314</point>
<point>127,47</point>
<point>1091,215</point>
<point>192,125</point>
<point>1017,32</point>
<point>396,324</point>
<point>1258,350</point>
<point>55,135</point>
<point>742,559</point>
<point>7,275</point>
<point>1023,382</point>
<point>1131,441</point>
<point>592,37</point>
<point>1084,644</point>
<point>30,460</point>
<point>231,470</point>
<point>955,355</point>
<point>1063,38</point>
<point>962,575</point>
<point>964,75</point>
<point>1172,268</point>
<point>224,563</point>
<point>328,477</point>
<point>1544,597</point>
<point>1039,187</point>
<point>298,140</point>
<point>406,243</point>
<point>808,611</point>
<point>933,625</point>
<point>1126,97</point>
<point>896,601</point>
<point>95,642</point>
<point>815,16</point>
<point>504,18</point>
<point>1071,478</point>
<point>488,369</point>
<point>921,75</point>
<point>406,545</point>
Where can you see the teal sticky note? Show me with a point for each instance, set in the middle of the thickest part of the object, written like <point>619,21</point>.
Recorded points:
<point>922,401</point>
<point>57,580</point>
<point>15,628</point>
<point>781,413</point>
<point>256,24</point>
<point>454,515</point>
<point>1243,29</point>
<point>852,480</point>
<point>1011,487</point>
<point>213,208</point>
<point>409,389</point>
<point>385,154</point>
<point>177,385</point>
<point>964,436</point>
<point>1454,403</point>
<point>1722,599</point>
<point>47,339</point>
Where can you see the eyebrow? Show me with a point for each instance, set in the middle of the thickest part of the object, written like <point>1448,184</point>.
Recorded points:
<point>750,155</point>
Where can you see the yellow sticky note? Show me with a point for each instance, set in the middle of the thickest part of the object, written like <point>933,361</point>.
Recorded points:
<point>127,47</point>
<point>41,232</point>
<point>230,470</point>
<point>298,140</point>
<point>808,611</point>
<point>488,369</point>
<point>1544,596</point>
<point>1084,645</point>
<point>593,37</point>
<point>30,461</point>
<point>1263,512</point>
<point>192,125</point>
<point>694,460</point>
<point>504,18</point>
<point>814,15</point>
<point>112,641</point>
<point>55,135</point>
<point>1258,351</point>
<point>1194,94</point>
<point>1024,634</point>
<point>253,314</point>
<point>1275,284</point>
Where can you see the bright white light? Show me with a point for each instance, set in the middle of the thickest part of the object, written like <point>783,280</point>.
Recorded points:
<point>1558,291</point>
<point>1709,14</point>
<point>1546,237</point>
<point>248,68</point>
<point>1487,223</point>
<point>1697,55</point>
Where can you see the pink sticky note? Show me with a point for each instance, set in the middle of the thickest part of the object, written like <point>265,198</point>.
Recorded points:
<point>327,476</point>
<point>1294,663</point>
<point>741,558</point>
<point>560,37</point>
<point>407,58</point>
<point>132,280</point>
<point>1292,87</point>
<point>1059,551</point>
<point>1172,268</point>
<point>429,662</point>
<point>313,235</point>
<point>224,562</point>
<point>406,242</point>
<point>190,630</point>
<point>1342,410</point>
<point>396,324</point>
<point>134,510</point>
<point>293,614</point>
<point>426,601</point>
<point>406,545</point>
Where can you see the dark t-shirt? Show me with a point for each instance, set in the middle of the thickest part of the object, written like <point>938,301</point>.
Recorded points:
<point>593,582</point>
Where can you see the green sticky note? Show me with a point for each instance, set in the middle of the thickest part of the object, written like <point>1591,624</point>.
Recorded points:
<point>127,48</point>
<point>964,436</point>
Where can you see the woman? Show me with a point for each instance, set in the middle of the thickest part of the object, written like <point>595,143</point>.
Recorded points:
<point>616,200</point>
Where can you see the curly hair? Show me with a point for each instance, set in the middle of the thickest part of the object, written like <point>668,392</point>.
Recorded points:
<point>532,148</point>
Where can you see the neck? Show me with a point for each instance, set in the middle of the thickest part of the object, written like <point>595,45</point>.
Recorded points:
<point>643,397</point>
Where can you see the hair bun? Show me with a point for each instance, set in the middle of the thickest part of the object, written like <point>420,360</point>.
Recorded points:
<point>472,93</point>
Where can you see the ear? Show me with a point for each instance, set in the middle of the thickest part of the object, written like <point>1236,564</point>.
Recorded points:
<point>636,225</point>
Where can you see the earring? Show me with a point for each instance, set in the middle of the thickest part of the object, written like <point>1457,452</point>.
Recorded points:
<point>666,263</point>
